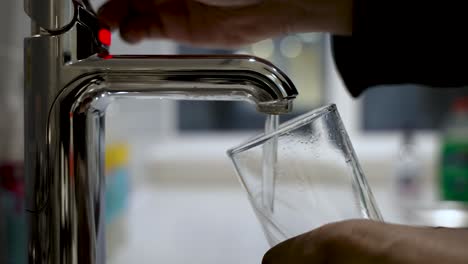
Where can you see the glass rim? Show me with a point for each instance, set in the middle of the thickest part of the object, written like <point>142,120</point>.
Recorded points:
<point>283,128</point>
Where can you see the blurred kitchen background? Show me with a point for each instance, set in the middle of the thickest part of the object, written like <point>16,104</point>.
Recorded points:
<point>173,195</point>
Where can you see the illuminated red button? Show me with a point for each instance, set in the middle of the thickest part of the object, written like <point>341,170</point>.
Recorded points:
<point>105,36</point>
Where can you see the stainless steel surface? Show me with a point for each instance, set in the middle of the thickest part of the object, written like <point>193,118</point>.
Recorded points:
<point>51,15</point>
<point>68,86</point>
<point>5,133</point>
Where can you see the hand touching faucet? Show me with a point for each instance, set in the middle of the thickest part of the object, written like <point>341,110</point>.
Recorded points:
<point>367,52</point>
<point>224,23</point>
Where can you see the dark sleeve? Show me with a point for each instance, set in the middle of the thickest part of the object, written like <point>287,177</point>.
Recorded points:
<point>404,42</point>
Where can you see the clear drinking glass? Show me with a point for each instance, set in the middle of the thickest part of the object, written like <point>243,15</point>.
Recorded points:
<point>303,175</point>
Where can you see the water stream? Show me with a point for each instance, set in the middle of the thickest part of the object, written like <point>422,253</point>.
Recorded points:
<point>270,156</point>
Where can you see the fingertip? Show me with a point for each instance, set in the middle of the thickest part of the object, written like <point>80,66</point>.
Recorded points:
<point>305,248</point>
<point>107,19</point>
<point>102,10</point>
<point>112,13</point>
<point>137,28</point>
<point>278,254</point>
<point>269,258</point>
<point>132,32</point>
<point>131,36</point>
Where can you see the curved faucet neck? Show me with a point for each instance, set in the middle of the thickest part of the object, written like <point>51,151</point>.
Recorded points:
<point>205,77</point>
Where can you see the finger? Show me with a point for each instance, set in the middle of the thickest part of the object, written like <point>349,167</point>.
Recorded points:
<point>137,28</point>
<point>168,20</point>
<point>113,12</point>
<point>148,6</point>
<point>281,253</point>
<point>303,249</point>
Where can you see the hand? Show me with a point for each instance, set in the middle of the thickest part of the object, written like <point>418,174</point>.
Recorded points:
<point>224,23</point>
<point>363,242</point>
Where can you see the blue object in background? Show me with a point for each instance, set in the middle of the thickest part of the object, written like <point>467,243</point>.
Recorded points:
<point>117,189</point>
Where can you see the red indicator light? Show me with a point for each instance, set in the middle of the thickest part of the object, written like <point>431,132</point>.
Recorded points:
<point>105,37</point>
<point>105,56</point>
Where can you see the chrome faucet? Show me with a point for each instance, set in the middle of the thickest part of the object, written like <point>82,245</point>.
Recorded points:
<point>70,78</point>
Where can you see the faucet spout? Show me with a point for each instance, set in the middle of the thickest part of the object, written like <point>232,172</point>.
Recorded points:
<point>218,78</point>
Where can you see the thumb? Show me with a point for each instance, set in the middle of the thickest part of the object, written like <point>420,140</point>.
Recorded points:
<point>113,12</point>
<point>303,249</point>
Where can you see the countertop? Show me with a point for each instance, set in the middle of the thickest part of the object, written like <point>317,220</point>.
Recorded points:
<point>187,205</point>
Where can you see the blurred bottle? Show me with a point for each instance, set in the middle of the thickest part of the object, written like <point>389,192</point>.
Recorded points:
<point>12,214</point>
<point>117,180</point>
<point>12,196</point>
<point>454,154</point>
<point>408,170</point>
<point>117,170</point>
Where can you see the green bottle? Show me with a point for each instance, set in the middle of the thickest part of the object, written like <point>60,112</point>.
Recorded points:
<point>454,154</point>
